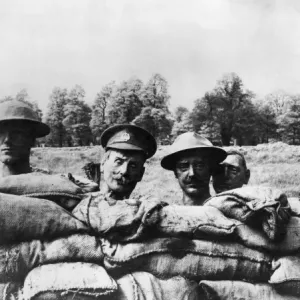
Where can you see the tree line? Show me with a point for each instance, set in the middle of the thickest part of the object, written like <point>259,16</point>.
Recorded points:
<point>226,114</point>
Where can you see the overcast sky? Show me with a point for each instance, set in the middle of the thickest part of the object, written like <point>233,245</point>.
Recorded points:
<point>192,43</point>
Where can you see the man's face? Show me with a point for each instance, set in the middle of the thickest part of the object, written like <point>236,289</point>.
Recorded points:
<point>16,139</point>
<point>230,174</point>
<point>122,170</point>
<point>193,173</point>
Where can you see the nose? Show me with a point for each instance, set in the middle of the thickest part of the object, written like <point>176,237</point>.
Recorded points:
<point>124,168</point>
<point>226,171</point>
<point>191,171</point>
<point>6,137</point>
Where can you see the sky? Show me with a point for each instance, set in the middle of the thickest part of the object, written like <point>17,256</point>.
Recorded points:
<point>192,43</point>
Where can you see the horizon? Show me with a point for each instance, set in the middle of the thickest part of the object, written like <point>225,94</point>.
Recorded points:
<point>90,43</point>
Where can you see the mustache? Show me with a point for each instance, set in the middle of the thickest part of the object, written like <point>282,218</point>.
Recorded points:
<point>196,182</point>
<point>122,179</point>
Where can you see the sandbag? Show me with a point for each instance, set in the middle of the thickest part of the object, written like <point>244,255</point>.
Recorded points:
<point>17,260</point>
<point>121,221</point>
<point>86,185</point>
<point>264,208</point>
<point>145,286</point>
<point>23,219</point>
<point>193,259</point>
<point>255,239</point>
<point>228,290</point>
<point>37,185</point>
<point>193,222</point>
<point>286,276</point>
<point>68,279</point>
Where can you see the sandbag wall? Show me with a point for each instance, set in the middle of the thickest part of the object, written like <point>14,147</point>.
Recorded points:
<point>244,243</point>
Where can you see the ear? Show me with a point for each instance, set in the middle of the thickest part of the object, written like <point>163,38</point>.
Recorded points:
<point>142,173</point>
<point>247,176</point>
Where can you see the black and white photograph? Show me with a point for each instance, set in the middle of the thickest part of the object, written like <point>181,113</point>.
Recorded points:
<point>150,150</point>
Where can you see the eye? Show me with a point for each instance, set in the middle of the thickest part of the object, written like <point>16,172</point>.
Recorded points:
<point>200,165</point>
<point>133,165</point>
<point>233,170</point>
<point>118,161</point>
<point>183,165</point>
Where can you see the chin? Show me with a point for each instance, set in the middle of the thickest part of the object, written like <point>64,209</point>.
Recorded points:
<point>194,192</point>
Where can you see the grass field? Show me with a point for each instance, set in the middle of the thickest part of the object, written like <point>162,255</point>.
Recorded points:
<point>275,165</point>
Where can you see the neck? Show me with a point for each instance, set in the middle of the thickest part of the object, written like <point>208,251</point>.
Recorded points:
<point>15,169</point>
<point>114,195</point>
<point>189,200</point>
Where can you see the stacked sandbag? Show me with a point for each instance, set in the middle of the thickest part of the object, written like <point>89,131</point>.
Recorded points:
<point>164,242</point>
<point>53,282</point>
<point>193,259</point>
<point>69,280</point>
<point>36,232</point>
<point>56,188</point>
<point>25,219</point>
<point>228,290</point>
<point>135,220</point>
<point>265,222</point>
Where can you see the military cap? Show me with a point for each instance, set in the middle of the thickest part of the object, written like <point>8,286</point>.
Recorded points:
<point>189,141</point>
<point>129,137</point>
<point>14,110</point>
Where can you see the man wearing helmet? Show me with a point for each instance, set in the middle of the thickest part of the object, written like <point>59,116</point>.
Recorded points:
<point>19,127</point>
<point>192,159</point>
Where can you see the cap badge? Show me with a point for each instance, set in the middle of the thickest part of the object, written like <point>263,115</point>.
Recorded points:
<point>124,137</point>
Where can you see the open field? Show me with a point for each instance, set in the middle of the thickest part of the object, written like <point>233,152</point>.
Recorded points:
<point>275,165</point>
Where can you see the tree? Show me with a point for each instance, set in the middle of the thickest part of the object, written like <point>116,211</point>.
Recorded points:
<point>183,121</point>
<point>290,122</point>
<point>55,116</point>
<point>77,117</point>
<point>156,121</point>
<point>223,106</point>
<point>98,121</point>
<point>180,113</point>
<point>155,93</point>
<point>278,102</point>
<point>266,125</point>
<point>125,103</point>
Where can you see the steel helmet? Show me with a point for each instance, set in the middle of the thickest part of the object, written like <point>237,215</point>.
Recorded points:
<point>189,141</point>
<point>15,110</point>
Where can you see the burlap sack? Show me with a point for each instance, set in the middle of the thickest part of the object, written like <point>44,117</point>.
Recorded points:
<point>121,221</point>
<point>193,222</point>
<point>17,260</point>
<point>259,207</point>
<point>193,259</point>
<point>255,239</point>
<point>228,290</point>
<point>145,286</point>
<point>75,279</point>
<point>37,185</point>
<point>86,185</point>
<point>286,276</point>
<point>23,219</point>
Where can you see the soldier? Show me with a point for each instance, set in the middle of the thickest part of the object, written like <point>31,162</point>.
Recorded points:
<point>192,158</point>
<point>19,128</point>
<point>232,173</point>
<point>126,149</point>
